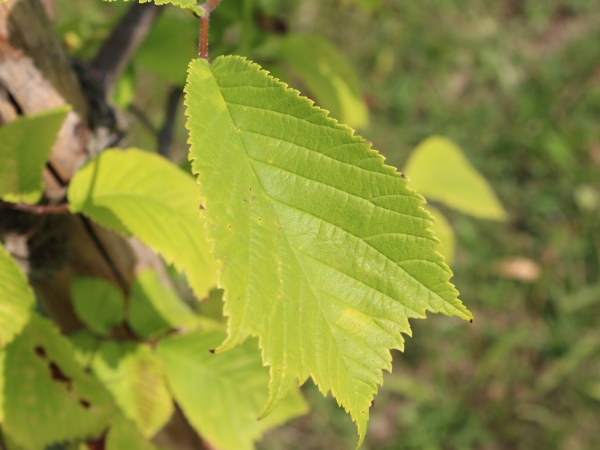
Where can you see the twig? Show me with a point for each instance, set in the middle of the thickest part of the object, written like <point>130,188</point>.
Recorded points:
<point>143,118</point>
<point>203,47</point>
<point>117,50</point>
<point>36,209</point>
<point>165,135</point>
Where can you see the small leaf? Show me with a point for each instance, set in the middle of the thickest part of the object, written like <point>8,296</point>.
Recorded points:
<point>222,395</point>
<point>123,435</point>
<point>47,391</point>
<point>440,171</point>
<point>329,77</point>
<point>25,145</point>
<point>325,251</point>
<point>154,308</point>
<point>191,5</point>
<point>98,303</point>
<point>16,298</point>
<point>444,232</point>
<point>139,193</point>
<point>133,374</point>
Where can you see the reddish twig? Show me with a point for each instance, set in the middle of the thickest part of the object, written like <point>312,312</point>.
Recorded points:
<point>36,209</point>
<point>203,47</point>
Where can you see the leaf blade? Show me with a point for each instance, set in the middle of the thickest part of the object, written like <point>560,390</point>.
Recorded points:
<point>327,288</point>
<point>140,193</point>
<point>16,299</point>
<point>98,303</point>
<point>440,171</point>
<point>25,145</point>
<point>221,395</point>
<point>63,403</point>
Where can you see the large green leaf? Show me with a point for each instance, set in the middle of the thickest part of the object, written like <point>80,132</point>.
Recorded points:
<point>325,251</point>
<point>222,395</point>
<point>134,376</point>
<point>191,5</point>
<point>98,303</point>
<point>155,309</point>
<point>47,396</point>
<point>16,298</point>
<point>25,145</point>
<point>142,194</point>
<point>329,77</point>
<point>440,171</point>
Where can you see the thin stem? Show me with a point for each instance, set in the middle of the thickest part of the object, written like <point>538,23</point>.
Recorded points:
<point>36,209</point>
<point>208,6</point>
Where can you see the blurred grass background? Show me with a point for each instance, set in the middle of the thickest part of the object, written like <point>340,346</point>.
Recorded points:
<point>516,84</point>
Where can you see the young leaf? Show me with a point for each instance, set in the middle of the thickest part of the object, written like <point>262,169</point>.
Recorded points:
<point>154,308</point>
<point>191,5</point>
<point>139,193</point>
<point>47,391</point>
<point>222,395</point>
<point>98,303</point>
<point>123,434</point>
<point>25,145</point>
<point>16,298</point>
<point>440,171</point>
<point>328,76</point>
<point>325,251</point>
<point>133,374</point>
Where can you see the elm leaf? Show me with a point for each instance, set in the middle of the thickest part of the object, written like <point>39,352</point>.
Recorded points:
<point>324,251</point>
<point>140,193</point>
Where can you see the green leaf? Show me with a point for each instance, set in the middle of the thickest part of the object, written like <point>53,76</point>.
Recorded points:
<point>191,5</point>
<point>440,171</point>
<point>134,376</point>
<point>155,309</point>
<point>222,395</point>
<point>98,303</point>
<point>25,145</point>
<point>85,344</point>
<point>123,434</point>
<point>139,193</point>
<point>16,298</point>
<point>444,232</point>
<point>48,397</point>
<point>325,251</point>
<point>328,76</point>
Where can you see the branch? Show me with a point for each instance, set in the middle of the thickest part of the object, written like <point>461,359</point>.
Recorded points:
<point>36,209</point>
<point>118,49</point>
<point>203,47</point>
<point>165,135</point>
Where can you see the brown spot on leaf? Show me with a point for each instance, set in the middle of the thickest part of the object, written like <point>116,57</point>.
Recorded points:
<point>39,350</point>
<point>85,403</point>
<point>59,376</point>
